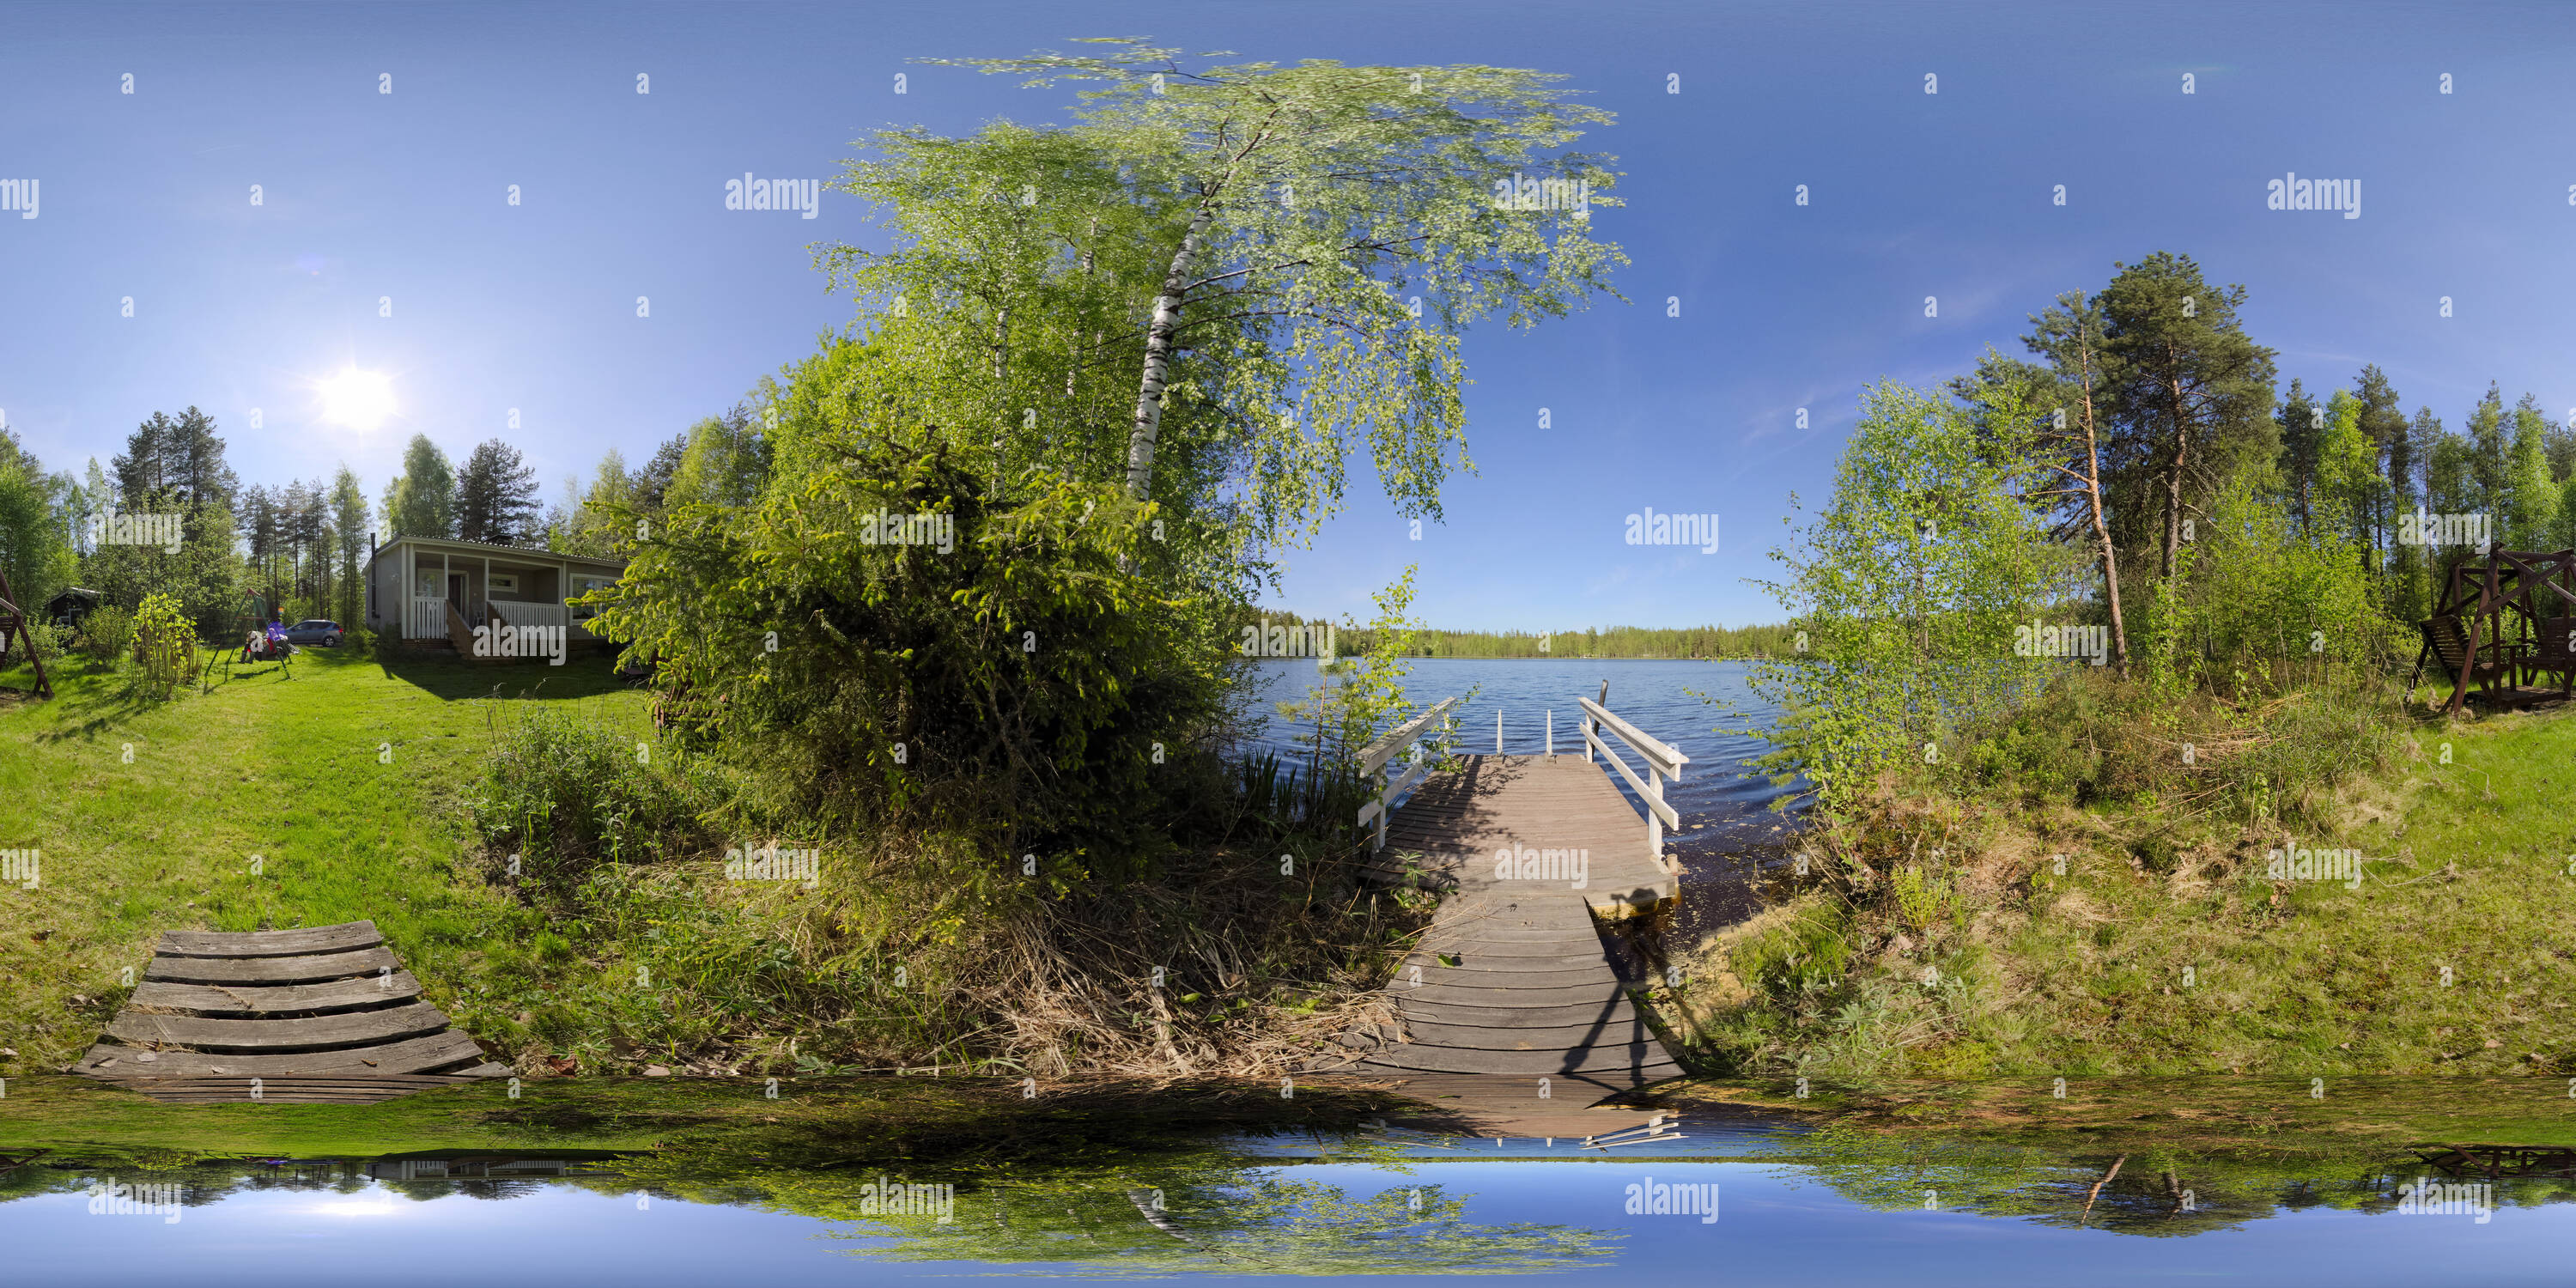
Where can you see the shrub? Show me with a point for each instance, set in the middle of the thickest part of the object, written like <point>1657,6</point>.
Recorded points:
<point>107,634</point>
<point>165,646</point>
<point>1920,898</point>
<point>566,796</point>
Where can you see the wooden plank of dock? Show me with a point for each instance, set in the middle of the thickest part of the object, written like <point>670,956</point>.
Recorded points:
<point>1513,983</point>
<point>317,1015</point>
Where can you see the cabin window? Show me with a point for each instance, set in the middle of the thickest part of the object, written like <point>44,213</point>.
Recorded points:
<point>583,586</point>
<point>505,583</point>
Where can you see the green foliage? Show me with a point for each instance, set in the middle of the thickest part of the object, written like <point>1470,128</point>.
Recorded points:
<point>2263,603</point>
<point>421,501</point>
<point>1365,696</point>
<point>165,646</point>
<point>1311,274</point>
<point>35,554</point>
<point>2188,400</point>
<point>2092,741</point>
<point>107,634</point>
<point>1920,898</point>
<point>566,796</point>
<point>1804,949</point>
<point>1907,588</point>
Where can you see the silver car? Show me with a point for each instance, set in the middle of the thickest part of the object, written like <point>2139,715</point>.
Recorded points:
<point>314,630</point>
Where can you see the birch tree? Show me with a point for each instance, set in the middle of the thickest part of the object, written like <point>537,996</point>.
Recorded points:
<point>1326,234</point>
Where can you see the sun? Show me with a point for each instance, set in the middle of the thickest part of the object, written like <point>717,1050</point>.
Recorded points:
<point>357,399</point>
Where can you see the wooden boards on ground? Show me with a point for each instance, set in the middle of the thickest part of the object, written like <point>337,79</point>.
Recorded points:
<point>320,1014</point>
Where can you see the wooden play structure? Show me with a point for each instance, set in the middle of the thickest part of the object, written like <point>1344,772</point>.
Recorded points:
<point>15,632</point>
<point>2505,623</point>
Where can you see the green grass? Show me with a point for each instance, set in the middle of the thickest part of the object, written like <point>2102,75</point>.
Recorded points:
<point>2038,974</point>
<point>287,765</point>
<point>400,792</point>
<point>2207,1114</point>
<point>946,1122</point>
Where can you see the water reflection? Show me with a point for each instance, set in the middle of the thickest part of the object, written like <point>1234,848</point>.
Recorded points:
<point>1774,1201</point>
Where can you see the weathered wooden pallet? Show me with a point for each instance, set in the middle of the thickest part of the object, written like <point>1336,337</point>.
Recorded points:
<point>316,1015</point>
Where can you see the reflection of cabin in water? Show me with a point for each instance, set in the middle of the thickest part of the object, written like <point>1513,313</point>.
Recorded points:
<point>486,1167</point>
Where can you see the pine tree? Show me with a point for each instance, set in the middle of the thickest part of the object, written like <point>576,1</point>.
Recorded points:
<point>496,496</point>
<point>2190,395</point>
<point>2302,425</point>
<point>350,525</point>
<point>2384,425</point>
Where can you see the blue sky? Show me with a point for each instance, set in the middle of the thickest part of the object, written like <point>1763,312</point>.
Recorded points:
<point>368,195</point>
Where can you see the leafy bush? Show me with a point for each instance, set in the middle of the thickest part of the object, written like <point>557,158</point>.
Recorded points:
<point>566,796</point>
<point>1919,898</point>
<point>1021,680</point>
<point>2092,739</point>
<point>107,634</point>
<point>46,640</point>
<point>165,646</point>
<point>1906,593</point>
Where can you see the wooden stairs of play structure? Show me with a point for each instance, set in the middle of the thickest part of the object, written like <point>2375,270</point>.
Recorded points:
<point>321,1015</point>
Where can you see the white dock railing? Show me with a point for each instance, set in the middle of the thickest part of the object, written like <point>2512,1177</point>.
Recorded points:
<point>1662,761</point>
<point>1373,762</point>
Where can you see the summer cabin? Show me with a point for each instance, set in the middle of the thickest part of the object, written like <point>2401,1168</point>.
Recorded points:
<point>432,591</point>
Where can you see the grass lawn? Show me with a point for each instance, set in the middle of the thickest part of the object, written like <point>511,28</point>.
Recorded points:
<point>2455,952</point>
<point>284,797</point>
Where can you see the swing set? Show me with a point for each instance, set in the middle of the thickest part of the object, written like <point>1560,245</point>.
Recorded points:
<point>14,625</point>
<point>2505,622</point>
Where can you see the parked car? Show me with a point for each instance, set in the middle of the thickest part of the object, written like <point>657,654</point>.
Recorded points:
<point>314,630</point>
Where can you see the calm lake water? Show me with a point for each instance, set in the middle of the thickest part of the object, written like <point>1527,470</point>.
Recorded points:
<point>1767,1205</point>
<point>1728,826</point>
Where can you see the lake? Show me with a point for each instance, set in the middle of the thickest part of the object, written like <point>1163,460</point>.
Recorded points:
<point>1729,829</point>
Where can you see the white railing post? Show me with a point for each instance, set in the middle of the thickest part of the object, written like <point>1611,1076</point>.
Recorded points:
<point>1377,757</point>
<point>1551,733</point>
<point>1385,786</point>
<point>1662,761</point>
<point>1498,731</point>
<point>1654,821</point>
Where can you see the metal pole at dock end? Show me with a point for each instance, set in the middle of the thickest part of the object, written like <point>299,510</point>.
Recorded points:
<point>1551,733</point>
<point>1498,731</point>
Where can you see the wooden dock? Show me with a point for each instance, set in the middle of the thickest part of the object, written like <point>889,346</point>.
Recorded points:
<point>324,1014</point>
<point>1514,1004</point>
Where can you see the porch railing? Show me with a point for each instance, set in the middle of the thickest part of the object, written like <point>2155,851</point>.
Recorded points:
<point>425,618</point>
<point>523,613</point>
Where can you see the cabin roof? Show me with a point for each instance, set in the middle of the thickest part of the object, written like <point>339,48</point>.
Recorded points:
<point>533,554</point>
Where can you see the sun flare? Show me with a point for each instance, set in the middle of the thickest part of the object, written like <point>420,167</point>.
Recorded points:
<point>357,399</point>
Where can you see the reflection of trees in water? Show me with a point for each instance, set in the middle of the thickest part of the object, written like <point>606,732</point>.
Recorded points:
<point>2156,1193</point>
<point>423,1191</point>
<point>1221,1211</point>
<point>206,1182</point>
<point>1255,1222</point>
